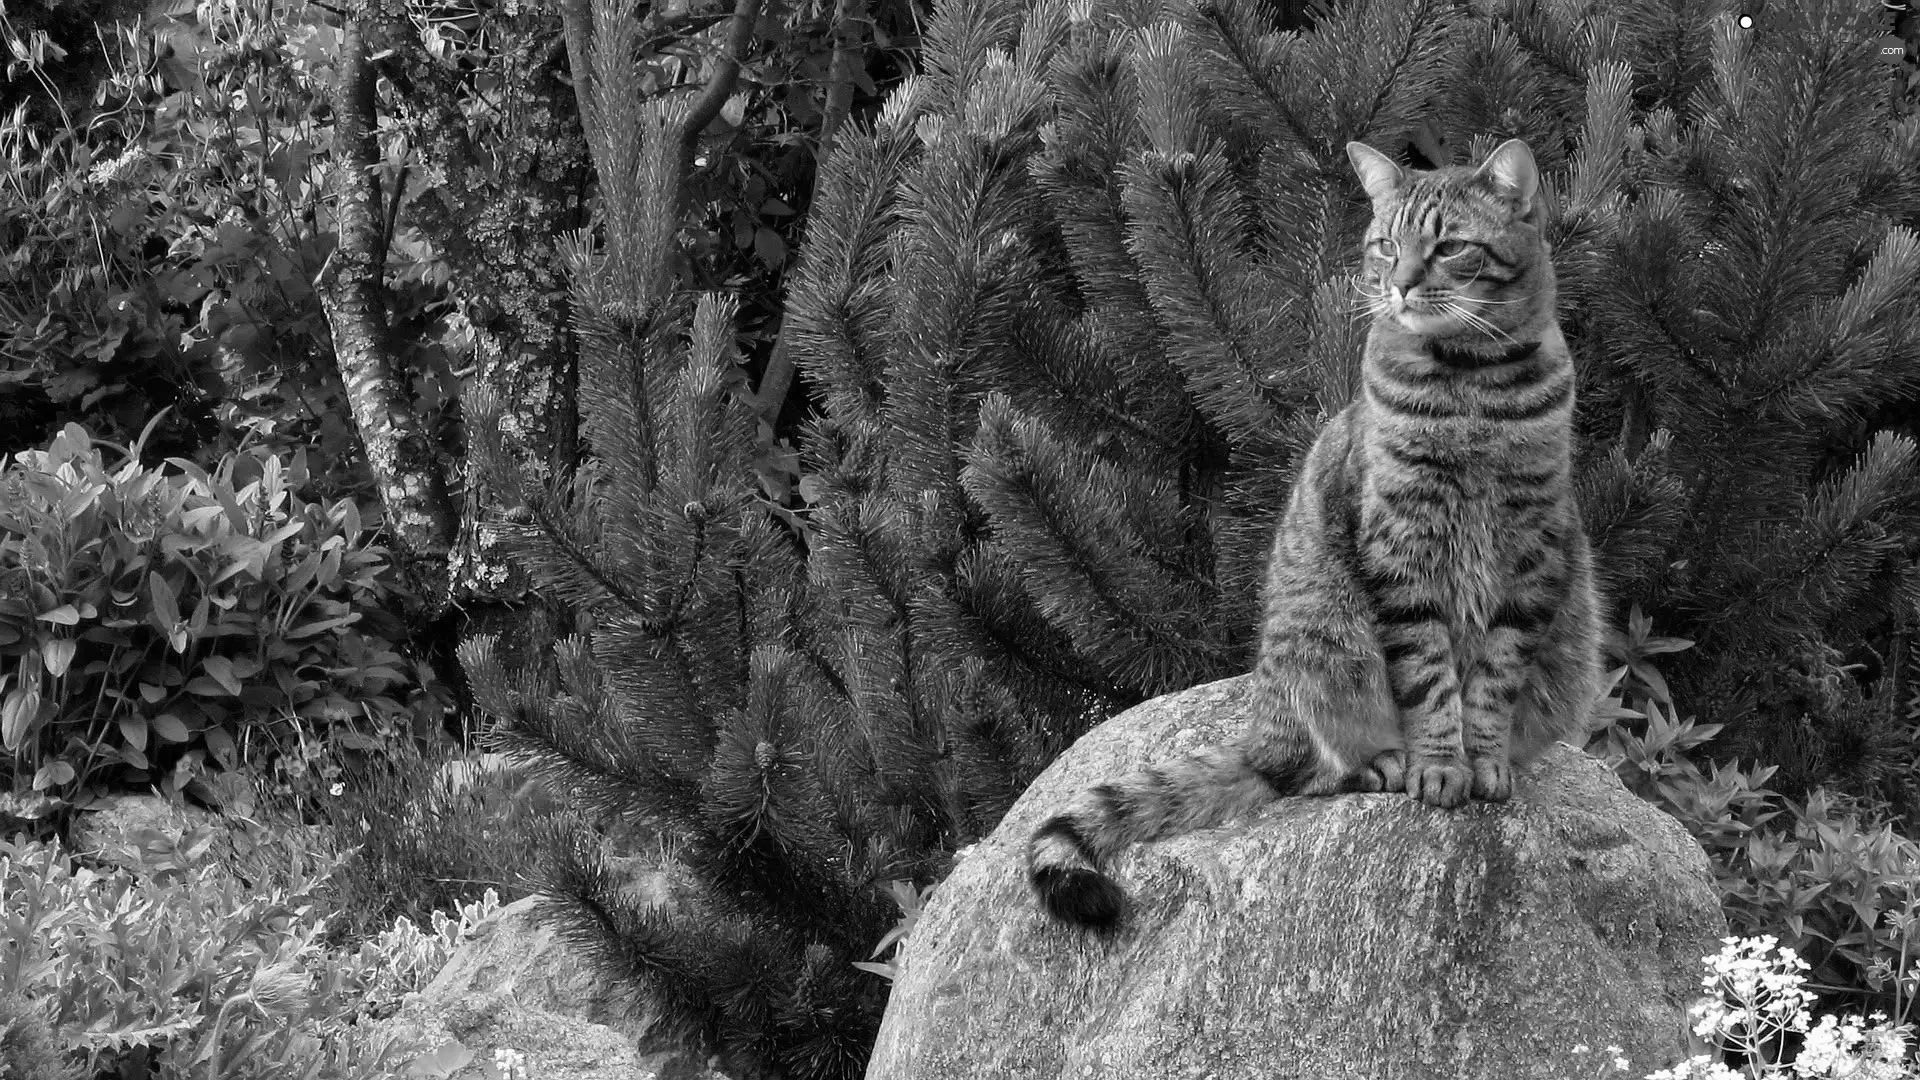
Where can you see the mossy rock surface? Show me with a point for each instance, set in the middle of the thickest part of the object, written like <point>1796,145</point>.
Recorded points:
<point>1363,937</point>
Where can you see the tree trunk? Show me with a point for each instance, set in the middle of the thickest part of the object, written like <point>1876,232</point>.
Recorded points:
<point>399,453</point>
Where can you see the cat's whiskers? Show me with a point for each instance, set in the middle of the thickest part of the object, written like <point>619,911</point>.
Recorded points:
<point>1369,303</point>
<point>1476,321</point>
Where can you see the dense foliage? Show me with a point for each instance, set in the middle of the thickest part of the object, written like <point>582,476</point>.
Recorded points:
<point>199,975</point>
<point>1066,285</point>
<point>1828,875</point>
<point>168,228</point>
<point>428,832</point>
<point>166,625</point>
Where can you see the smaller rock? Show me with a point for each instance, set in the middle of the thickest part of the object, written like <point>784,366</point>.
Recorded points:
<point>516,954</point>
<point>517,986</point>
<point>549,1046</point>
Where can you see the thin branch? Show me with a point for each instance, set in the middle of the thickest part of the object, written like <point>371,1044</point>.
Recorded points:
<point>576,20</point>
<point>720,83</point>
<point>393,210</point>
<point>849,43</point>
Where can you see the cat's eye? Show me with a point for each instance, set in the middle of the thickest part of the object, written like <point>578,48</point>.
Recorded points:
<point>1384,248</point>
<point>1447,249</point>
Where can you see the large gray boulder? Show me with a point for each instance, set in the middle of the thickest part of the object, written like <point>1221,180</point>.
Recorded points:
<point>1364,937</point>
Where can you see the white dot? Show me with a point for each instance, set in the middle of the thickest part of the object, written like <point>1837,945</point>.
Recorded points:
<point>1746,22</point>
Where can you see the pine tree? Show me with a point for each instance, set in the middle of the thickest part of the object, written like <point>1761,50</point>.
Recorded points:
<point>804,707</point>
<point>1754,349</point>
<point>693,704</point>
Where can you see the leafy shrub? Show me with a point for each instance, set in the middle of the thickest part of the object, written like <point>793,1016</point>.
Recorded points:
<point>1829,875</point>
<point>405,958</point>
<point>1723,805</point>
<point>159,624</point>
<point>192,971</point>
<point>167,233</point>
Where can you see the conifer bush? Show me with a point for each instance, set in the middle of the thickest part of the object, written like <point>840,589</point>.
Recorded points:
<point>1753,369</point>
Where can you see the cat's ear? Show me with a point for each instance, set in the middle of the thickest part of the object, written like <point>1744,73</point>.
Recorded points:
<point>1378,174</point>
<point>1511,168</point>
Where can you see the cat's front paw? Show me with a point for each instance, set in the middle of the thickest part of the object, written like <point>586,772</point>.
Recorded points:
<point>1439,782</point>
<point>1387,772</point>
<point>1492,779</point>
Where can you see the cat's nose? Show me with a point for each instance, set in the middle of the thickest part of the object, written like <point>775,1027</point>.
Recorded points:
<point>1408,272</point>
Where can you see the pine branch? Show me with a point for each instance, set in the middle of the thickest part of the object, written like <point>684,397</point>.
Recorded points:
<point>1787,578</point>
<point>1186,213</point>
<point>837,300</point>
<point>1632,509</point>
<point>601,42</point>
<point>1862,339</point>
<point>669,958</point>
<point>1384,58</point>
<point>765,846</point>
<point>963,274</point>
<point>859,547</point>
<point>820,1036</point>
<point>575,742</point>
<point>1026,655</point>
<point>998,746</point>
<point>1085,536</point>
<point>957,45</point>
<point>1057,368</point>
<point>1096,129</point>
<point>1651,321</point>
<point>1251,74</point>
<point>1854,526</point>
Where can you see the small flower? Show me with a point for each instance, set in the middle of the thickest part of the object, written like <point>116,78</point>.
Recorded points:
<point>512,1064</point>
<point>279,988</point>
<point>106,172</point>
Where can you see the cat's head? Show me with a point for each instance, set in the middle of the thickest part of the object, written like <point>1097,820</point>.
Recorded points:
<point>1458,252</point>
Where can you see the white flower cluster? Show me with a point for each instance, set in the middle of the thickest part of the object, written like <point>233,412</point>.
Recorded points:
<point>511,1064</point>
<point>107,171</point>
<point>1754,990</point>
<point>1844,1048</point>
<point>1756,996</point>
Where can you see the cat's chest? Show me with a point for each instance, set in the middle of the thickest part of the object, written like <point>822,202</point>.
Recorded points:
<point>1449,520</point>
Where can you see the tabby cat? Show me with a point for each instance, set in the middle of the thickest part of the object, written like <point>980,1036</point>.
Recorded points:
<point>1430,611</point>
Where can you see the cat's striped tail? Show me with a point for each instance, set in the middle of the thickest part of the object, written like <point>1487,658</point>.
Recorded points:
<point>1068,853</point>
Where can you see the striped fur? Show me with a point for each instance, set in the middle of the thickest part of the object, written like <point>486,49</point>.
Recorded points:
<point>1430,611</point>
